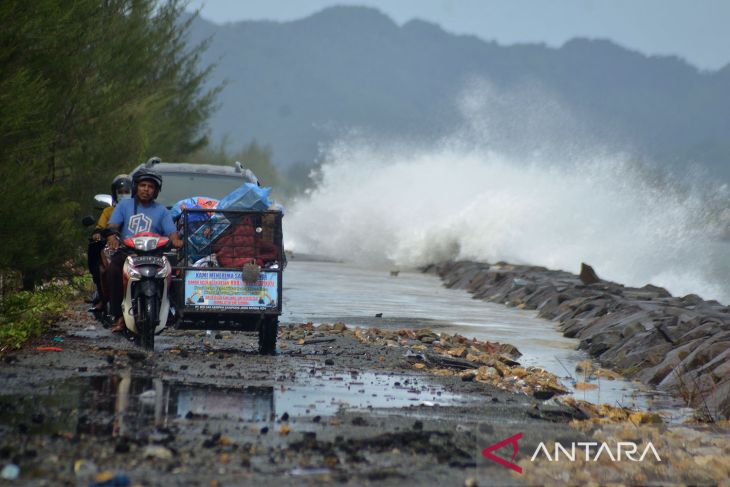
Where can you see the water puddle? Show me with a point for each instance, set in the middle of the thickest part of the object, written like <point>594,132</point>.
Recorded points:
<point>119,404</point>
<point>326,393</point>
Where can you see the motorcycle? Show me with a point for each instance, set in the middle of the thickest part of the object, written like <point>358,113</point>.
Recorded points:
<point>146,275</point>
<point>97,260</point>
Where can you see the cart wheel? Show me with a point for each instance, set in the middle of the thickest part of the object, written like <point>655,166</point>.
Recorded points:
<point>267,336</point>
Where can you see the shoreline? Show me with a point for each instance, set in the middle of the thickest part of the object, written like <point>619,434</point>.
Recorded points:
<point>679,345</point>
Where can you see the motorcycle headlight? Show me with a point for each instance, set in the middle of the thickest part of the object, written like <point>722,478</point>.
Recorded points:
<point>163,272</point>
<point>133,273</point>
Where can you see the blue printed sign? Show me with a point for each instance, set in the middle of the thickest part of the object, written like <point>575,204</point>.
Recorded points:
<point>213,289</point>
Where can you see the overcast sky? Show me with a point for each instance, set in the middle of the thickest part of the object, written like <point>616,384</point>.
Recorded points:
<point>696,30</point>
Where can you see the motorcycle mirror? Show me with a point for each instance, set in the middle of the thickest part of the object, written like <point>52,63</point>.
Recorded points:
<point>87,221</point>
<point>102,201</point>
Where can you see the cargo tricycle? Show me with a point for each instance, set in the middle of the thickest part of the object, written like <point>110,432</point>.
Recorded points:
<point>228,275</point>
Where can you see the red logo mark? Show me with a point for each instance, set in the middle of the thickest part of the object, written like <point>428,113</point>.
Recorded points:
<point>512,440</point>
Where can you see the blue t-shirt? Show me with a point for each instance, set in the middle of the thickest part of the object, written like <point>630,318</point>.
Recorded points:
<point>149,218</point>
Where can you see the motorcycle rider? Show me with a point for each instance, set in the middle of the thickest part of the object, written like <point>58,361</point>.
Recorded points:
<point>141,213</point>
<point>121,189</point>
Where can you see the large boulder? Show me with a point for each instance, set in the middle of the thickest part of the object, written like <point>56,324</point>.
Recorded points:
<point>656,374</point>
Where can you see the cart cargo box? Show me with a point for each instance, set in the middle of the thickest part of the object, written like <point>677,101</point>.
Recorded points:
<point>229,273</point>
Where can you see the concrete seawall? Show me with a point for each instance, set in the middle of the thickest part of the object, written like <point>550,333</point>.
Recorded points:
<point>676,344</point>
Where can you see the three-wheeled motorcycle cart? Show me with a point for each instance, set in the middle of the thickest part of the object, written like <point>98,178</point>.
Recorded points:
<point>228,275</point>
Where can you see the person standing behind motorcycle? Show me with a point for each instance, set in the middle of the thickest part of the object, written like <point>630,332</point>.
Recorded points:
<point>121,189</point>
<point>139,214</point>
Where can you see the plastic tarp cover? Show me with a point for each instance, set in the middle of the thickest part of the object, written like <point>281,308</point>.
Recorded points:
<point>247,197</point>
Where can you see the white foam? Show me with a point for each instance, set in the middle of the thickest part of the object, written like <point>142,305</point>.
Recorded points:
<point>496,189</point>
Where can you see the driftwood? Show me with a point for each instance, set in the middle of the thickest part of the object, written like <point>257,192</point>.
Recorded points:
<point>440,361</point>
<point>311,341</point>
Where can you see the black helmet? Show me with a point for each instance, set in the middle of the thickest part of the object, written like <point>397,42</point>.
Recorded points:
<point>122,181</point>
<point>145,174</point>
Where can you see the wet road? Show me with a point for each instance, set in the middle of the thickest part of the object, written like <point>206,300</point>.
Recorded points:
<point>326,292</point>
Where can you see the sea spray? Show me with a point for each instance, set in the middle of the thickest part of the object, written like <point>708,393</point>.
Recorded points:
<point>407,204</point>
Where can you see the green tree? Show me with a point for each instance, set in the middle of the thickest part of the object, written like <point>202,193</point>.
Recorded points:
<point>87,89</point>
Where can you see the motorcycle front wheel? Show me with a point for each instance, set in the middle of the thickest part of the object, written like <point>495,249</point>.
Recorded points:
<point>147,321</point>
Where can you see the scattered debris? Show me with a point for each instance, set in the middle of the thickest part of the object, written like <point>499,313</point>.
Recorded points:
<point>158,452</point>
<point>312,341</point>
<point>85,469</point>
<point>584,386</point>
<point>299,472</point>
<point>10,472</point>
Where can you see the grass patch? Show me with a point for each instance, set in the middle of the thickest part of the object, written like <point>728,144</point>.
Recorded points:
<point>24,314</point>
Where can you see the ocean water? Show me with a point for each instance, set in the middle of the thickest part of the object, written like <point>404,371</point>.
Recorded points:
<point>519,181</point>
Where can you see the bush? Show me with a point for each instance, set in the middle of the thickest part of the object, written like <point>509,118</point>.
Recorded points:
<point>25,314</point>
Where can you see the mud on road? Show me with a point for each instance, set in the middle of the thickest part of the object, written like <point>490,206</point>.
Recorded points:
<point>206,409</point>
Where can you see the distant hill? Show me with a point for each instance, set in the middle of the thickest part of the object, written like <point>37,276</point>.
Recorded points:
<point>293,85</point>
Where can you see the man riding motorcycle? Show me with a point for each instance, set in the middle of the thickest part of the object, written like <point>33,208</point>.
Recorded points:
<point>121,189</point>
<point>139,214</point>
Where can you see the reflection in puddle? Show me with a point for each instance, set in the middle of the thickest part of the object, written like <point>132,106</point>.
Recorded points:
<point>325,394</point>
<point>125,405</point>
<point>249,404</point>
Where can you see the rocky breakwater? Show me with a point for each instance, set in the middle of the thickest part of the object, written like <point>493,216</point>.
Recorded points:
<point>676,344</point>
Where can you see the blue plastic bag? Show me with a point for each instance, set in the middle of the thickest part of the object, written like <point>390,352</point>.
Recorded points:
<point>247,197</point>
